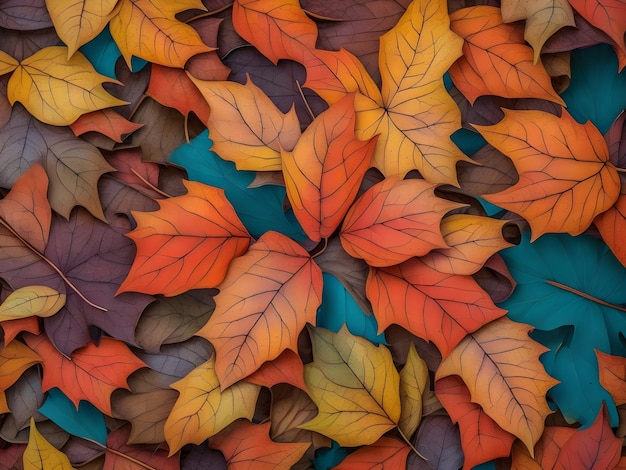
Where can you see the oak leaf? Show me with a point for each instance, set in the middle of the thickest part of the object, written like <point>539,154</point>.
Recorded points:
<point>41,301</point>
<point>15,358</point>
<point>79,21</point>
<point>92,373</point>
<point>268,296</point>
<point>386,453</point>
<point>355,386</point>
<point>173,42</point>
<point>202,409</point>
<point>41,455</point>
<point>247,445</point>
<point>414,382</point>
<point>496,60</point>
<point>613,375</point>
<point>543,19</point>
<point>395,220</point>
<point>57,90</point>
<point>415,116</point>
<point>246,127</point>
<point>500,367</point>
<point>324,170</point>
<point>438,307</point>
<point>566,178</point>
<point>187,244</point>
<point>481,437</point>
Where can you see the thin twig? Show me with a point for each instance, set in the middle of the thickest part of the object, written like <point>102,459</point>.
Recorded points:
<point>149,184</point>
<point>585,296</point>
<point>306,103</point>
<point>406,439</point>
<point>118,453</point>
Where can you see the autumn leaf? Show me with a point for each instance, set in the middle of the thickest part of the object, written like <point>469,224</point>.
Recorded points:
<point>613,375</point>
<point>41,301</point>
<point>566,178</point>
<point>187,244</point>
<point>413,384</point>
<point>395,220</point>
<point>323,173</point>
<point>481,437</point>
<point>542,18</point>
<point>246,127</point>
<point>386,453</point>
<point>202,409</point>
<point>106,122</point>
<point>415,116</point>
<point>12,328</point>
<point>472,240</point>
<point>496,60</point>
<point>15,358</point>
<point>92,373</point>
<point>120,453</point>
<point>247,445</point>
<point>355,387</point>
<point>7,63</point>
<point>41,455</point>
<point>438,307</point>
<point>500,367</point>
<point>57,90</point>
<point>286,368</point>
<point>79,21</point>
<point>268,296</point>
<point>173,42</point>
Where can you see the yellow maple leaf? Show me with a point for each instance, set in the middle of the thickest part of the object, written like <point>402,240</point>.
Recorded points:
<point>57,90</point>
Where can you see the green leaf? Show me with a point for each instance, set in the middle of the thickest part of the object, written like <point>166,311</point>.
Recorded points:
<point>596,91</point>
<point>339,307</point>
<point>260,209</point>
<point>572,288</point>
<point>87,421</point>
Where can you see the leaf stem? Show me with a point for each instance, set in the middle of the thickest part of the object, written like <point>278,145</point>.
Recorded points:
<point>620,170</point>
<point>322,250</point>
<point>406,439</point>
<point>50,263</point>
<point>149,184</point>
<point>119,454</point>
<point>585,296</point>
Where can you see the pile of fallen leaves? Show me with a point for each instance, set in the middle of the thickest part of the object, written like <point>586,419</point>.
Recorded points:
<point>312,235</point>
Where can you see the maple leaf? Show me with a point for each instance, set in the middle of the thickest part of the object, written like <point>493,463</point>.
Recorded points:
<point>106,122</point>
<point>395,220</point>
<point>566,178</point>
<point>173,42</point>
<point>286,368</point>
<point>385,453</point>
<point>613,375</point>
<point>436,306</point>
<point>57,90</point>
<point>245,444</point>
<point>496,60</point>
<point>269,294</point>
<point>415,116</point>
<point>92,373</point>
<point>543,19</point>
<point>187,244</point>
<point>202,409</point>
<point>79,21</point>
<point>510,384</point>
<point>355,387</point>
<point>324,170</point>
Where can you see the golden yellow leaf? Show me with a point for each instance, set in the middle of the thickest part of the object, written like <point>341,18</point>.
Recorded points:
<point>79,21</point>
<point>148,29</point>
<point>500,366</point>
<point>416,116</point>
<point>355,386</point>
<point>543,19</point>
<point>41,455</point>
<point>57,90</point>
<point>7,63</point>
<point>413,382</point>
<point>27,301</point>
<point>202,409</point>
<point>15,358</point>
<point>246,127</point>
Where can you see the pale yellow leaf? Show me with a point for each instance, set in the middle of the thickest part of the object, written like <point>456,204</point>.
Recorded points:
<point>413,383</point>
<point>41,455</point>
<point>27,301</point>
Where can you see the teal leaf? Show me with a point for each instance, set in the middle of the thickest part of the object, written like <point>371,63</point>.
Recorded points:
<point>329,457</point>
<point>491,465</point>
<point>103,53</point>
<point>596,91</point>
<point>339,307</point>
<point>260,209</point>
<point>86,422</point>
<point>570,324</point>
<point>468,141</point>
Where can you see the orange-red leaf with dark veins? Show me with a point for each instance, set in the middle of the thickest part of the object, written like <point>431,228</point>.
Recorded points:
<point>187,244</point>
<point>386,453</point>
<point>92,373</point>
<point>438,307</point>
<point>395,220</point>
<point>107,122</point>
<point>12,328</point>
<point>268,296</point>
<point>481,437</point>
<point>286,368</point>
